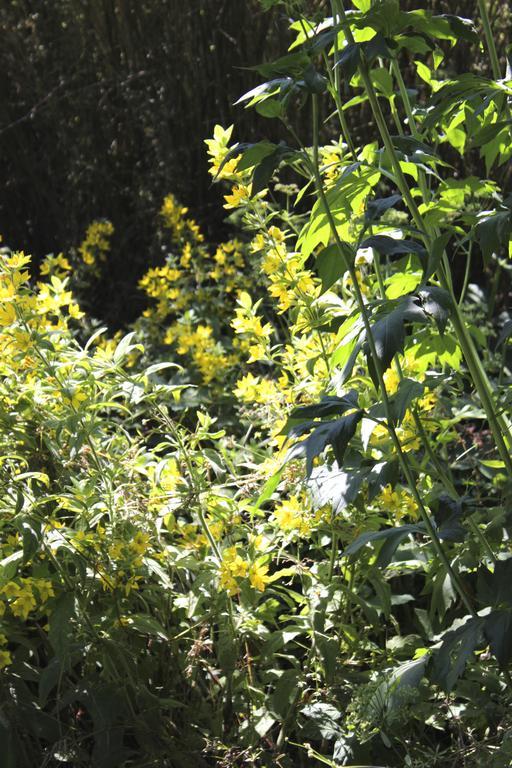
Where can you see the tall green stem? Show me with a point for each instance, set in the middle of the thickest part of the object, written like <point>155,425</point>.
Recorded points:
<point>489,39</point>
<point>349,267</point>
<point>497,423</point>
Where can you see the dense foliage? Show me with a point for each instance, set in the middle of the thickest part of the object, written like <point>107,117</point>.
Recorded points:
<point>269,523</point>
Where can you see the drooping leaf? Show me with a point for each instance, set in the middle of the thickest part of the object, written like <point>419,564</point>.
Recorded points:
<point>376,208</point>
<point>386,698</point>
<point>493,233</point>
<point>335,486</point>
<point>267,165</point>
<point>61,619</point>
<point>328,406</point>
<point>381,474</point>
<point>388,334</point>
<point>435,255</point>
<point>436,303</point>
<point>325,717</point>
<point>331,265</point>
<point>396,535</point>
<point>348,60</point>
<point>389,246</point>
<point>448,514</point>
<point>408,390</point>
<point>498,631</point>
<point>494,586</point>
<point>505,333</point>
<point>336,434</point>
<point>456,650</point>
<point>292,65</point>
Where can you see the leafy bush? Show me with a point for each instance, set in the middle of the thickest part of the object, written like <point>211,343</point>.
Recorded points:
<point>270,524</point>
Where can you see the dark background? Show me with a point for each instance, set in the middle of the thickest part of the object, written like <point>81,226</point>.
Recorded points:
<point>105,108</point>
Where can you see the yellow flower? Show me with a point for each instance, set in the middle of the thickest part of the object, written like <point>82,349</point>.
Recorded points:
<point>5,659</point>
<point>139,543</point>
<point>24,603</point>
<point>258,576</point>
<point>45,589</point>
<point>397,502</point>
<point>96,243</point>
<point>292,516</point>
<point>240,194</point>
<point>391,380</point>
<point>11,589</point>
<point>218,149</point>
<point>233,567</point>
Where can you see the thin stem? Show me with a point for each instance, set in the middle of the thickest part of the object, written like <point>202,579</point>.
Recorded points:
<point>489,39</point>
<point>382,387</point>
<point>497,423</point>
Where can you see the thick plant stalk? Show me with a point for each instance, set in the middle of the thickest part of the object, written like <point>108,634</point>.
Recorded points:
<point>404,463</point>
<point>489,39</point>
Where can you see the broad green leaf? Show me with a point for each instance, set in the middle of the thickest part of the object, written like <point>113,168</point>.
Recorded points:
<point>456,650</point>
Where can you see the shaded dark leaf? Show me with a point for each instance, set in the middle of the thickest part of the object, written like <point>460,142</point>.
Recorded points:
<point>328,406</point>
<point>376,208</point>
<point>498,631</point>
<point>457,649</point>
<point>493,233</point>
<point>408,390</point>
<point>334,486</point>
<point>389,246</point>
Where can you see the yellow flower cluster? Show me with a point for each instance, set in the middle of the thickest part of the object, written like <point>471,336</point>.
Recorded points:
<point>5,655</point>
<point>195,278</point>
<point>331,164</point>
<point>55,265</point>
<point>96,244</point>
<point>26,595</point>
<point>256,389</point>
<point>218,148</point>
<point>248,324</point>
<point>398,503</point>
<point>174,218</point>
<point>295,515</point>
<point>233,568</point>
<point>290,284</point>
<point>199,343</point>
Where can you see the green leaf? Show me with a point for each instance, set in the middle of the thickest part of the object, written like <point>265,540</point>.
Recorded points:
<point>395,535</point>
<point>284,693</point>
<point>386,698</point>
<point>331,266</point>
<point>493,233</point>
<point>328,406</point>
<point>436,303</point>
<point>494,587</point>
<point>408,390</point>
<point>61,632</point>
<point>448,514</point>
<point>147,625</point>
<point>348,60</point>
<point>456,650</point>
<point>336,434</point>
<point>388,334</point>
<point>505,333</point>
<point>498,631</point>
<point>252,154</point>
<point>376,208</point>
<point>436,253</point>
<point>325,717</point>
<point>335,486</point>
<point>265,168</point>
<point>292,65</point>
<point>389,246</point>
<point>381,474</point>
